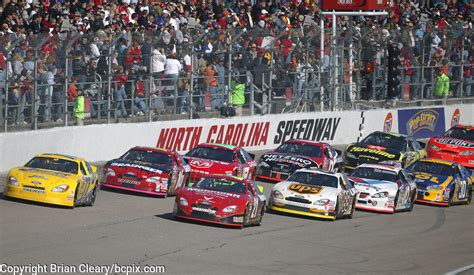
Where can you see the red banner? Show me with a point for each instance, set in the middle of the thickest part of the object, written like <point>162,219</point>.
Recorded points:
<point>353,5</point>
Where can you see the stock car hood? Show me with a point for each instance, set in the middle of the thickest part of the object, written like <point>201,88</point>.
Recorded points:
<point>296,161</point>
<point>372,186</point>
<point>208,166</point>
<point>454,144</point>
<point>423,180</point>
<point>309,192</point>
<point>41,178</point>
<point>375,153</point>
<point>138,169</point>
<point>215,198</point>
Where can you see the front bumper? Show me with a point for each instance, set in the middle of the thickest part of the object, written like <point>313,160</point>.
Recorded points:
<point>236,220</point>
<point>435,197</point>
<point>381,205</point>
<point>62,199</point>
<point>299,209</point>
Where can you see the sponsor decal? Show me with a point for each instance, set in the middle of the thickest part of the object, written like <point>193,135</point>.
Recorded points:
<point>33,190</point>
<point>200,164</point>
<point>356,149</point>
<point>421,123</point>
<point>304,189</point>
<point>320,129</point>
<point>456,118</point>
<point>224,194</point>
<point>287,159</point>
<point>138,166</point>
<point>240,134</point>
<point>456,142</point>
<point>387,125</point>
<point>367,187</point>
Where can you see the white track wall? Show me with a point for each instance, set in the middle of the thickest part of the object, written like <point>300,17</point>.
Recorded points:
<point>104,142</point>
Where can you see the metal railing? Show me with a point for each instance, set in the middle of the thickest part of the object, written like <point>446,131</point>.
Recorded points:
<point>279,76</point>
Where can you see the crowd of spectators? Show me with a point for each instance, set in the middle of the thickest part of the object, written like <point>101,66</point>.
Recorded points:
<point>195,46</point>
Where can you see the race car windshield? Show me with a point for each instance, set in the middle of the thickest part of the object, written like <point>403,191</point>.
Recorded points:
<point>385,140</point>
<point>460,133</point>
<point>300,149</point>
<point>152,157</point>
<point>432,168</point>
<point>221,185</point>
<point>375,173</point>
<point>314,179</point>
<point>212,153</point>
<point>60,165</point>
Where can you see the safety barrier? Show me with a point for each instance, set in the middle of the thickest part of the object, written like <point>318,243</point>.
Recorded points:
<point>103,142</point>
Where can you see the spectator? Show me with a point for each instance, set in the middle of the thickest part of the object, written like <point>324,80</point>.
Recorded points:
<point>441,89</point>
<point>238,94</point>
<point>120,94</point>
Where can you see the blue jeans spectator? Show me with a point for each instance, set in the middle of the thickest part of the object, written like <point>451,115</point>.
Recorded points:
<point>216,97</point>
<point>120,97</point>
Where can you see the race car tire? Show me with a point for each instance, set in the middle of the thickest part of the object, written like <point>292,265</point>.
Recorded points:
<point>349,216</point>
<point>259,221</point>
<point>337,215</point>
<point>395,203</point>
<point>469,198</point>
<point>412,202</point>
<point>92,196</point>
<point>451,198</point>
<point>75,203</point>
<point>246,216</point>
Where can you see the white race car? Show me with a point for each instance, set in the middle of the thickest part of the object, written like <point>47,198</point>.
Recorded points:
<point>383,188</point>
<point>315,193</point>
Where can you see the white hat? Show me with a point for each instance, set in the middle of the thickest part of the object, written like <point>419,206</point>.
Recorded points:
<point>264,11</point>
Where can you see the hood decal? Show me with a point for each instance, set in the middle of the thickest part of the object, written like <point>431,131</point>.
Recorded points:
<point>137,166</point>
<point>456,142</point>
<point>201,164</point>
<point>298,161</point>
<point>357,149</point>
<point>304,189</point>
<point>212,192</point>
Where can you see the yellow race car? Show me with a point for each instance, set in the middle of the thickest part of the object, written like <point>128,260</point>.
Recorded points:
<point>54,179</point>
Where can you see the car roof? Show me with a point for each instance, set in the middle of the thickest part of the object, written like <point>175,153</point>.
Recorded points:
<point>224,146</point>
<point>393,134</point>
<point>154,149</point>
<point>59,156</point>
<point>302,141</point>
<point>382,166</point>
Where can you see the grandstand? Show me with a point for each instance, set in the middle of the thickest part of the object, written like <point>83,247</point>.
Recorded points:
<point>185,59</point>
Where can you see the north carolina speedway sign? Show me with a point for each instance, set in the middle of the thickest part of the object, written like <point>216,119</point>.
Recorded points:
<point>259,132</point>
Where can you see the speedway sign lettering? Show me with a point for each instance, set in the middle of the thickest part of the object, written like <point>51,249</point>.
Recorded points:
<point>258,133</point>
<point>353,5</point>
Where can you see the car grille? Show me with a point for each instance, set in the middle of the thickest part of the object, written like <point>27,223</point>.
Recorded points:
<point>128,182</point>
<point>300,200</point>
<point>34,189</point>
<point>202,214</point>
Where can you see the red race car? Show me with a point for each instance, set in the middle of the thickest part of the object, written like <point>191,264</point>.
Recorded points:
<point>292,155</point>
<point>457,144</point>
<point>222,199</point>
<point>212,159</point>
<point>147,170</point>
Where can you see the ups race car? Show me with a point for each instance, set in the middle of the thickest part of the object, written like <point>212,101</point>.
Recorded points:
<point>381,146</point>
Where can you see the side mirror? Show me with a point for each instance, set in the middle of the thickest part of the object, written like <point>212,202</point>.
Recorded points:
<point>260,188</point>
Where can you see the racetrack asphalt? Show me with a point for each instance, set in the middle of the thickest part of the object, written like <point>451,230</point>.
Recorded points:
<point>124,228</point>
